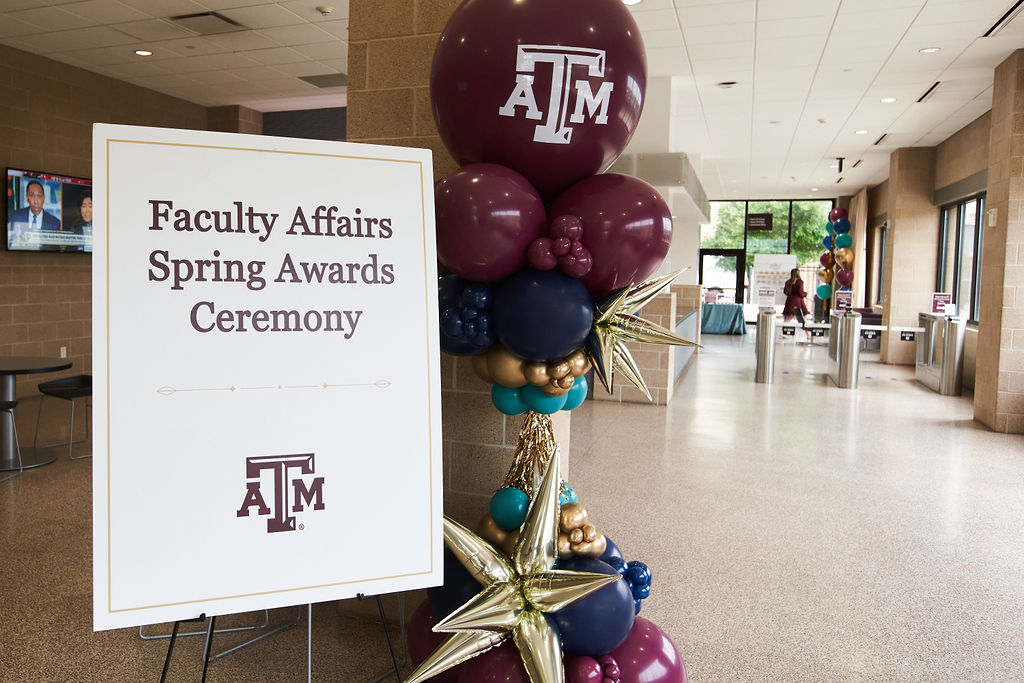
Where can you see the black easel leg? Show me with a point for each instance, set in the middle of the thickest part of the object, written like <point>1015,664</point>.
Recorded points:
<point>206,647</point>
<point>170,651</point>
<point>387,635</point>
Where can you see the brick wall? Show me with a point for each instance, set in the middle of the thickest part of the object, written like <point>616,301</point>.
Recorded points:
<point>999,378</point>
<point>46,116</point>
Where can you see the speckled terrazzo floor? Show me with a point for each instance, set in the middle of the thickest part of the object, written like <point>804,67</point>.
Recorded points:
<point>797,532</point>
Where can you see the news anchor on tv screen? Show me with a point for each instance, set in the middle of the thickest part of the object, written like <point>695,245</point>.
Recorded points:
<point>47,212</point>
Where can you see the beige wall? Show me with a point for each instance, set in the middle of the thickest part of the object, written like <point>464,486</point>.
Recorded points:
<point>46,116</point>
<point>999,377</point>
<point>964,153</point>
<point>911,244</point>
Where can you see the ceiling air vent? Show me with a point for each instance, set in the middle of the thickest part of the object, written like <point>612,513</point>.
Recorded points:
<point>929,91</point>
<point>860,161</point>
<point>879,140</point>
<point>326,80</point>
<point>206,23</point>
<point>1004,20</point>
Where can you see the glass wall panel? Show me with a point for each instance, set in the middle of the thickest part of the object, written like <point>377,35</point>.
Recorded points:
<point>964,289</point>
<point>776,240</point>
<point>809,219</point>
<point>725,231</point>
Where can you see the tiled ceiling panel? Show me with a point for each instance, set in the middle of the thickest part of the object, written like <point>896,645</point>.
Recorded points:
<point>809,73</point>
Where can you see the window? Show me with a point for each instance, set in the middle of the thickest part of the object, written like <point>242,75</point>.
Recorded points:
<point>880,279</point>
<point>961,234</point>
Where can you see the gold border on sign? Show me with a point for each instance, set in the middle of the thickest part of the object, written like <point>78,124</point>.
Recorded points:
<point>431,407</point>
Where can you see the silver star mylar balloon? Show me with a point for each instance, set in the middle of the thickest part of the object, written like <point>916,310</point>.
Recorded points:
<point>615,324</point>
<point>515,594</point>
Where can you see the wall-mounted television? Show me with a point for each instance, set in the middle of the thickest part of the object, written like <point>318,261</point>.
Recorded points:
<point>48,212</point>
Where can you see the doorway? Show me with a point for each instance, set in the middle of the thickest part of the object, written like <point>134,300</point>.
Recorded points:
<point>723,270</point>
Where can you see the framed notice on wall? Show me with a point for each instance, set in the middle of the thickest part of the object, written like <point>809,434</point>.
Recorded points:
<point>266,373</point>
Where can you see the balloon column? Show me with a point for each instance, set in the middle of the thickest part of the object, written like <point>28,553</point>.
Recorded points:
<point>836,272</point>
<point>548,260</point>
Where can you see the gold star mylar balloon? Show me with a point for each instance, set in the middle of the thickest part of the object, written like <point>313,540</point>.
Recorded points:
<point>515,594</point>
<point>615,324</point>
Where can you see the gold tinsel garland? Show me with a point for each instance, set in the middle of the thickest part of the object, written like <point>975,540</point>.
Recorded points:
<point>534,449</point>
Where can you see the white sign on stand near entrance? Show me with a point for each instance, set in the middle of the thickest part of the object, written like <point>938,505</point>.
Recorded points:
<point>266,373</point>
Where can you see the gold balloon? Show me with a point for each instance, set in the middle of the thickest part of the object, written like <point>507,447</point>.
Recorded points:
<point>564,547</point>
<point>479,362</point>
<point>508,546</point>
<point>488,529</point>
<point>536,373</point>
<point>505,367</point>
<point>578,363</point>
<point>572,516</point>
<point>560,369</point>
<point>825,275</point>
<point>555,388</point>
<point>844,257</point>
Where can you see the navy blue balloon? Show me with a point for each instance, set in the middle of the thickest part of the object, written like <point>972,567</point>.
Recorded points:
<point>611,550</point>
<point>827,242</point>
<point>458,587</point>
<point>600,622</point>
<point>464,307</point>
<point>542,315</point>
<point>841,225</point>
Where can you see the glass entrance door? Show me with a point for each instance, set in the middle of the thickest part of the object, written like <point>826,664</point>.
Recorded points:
<point>722,270</point>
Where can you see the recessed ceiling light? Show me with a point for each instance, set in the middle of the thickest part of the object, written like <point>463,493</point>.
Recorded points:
<point>631,2</point>
<point>861,132</point>
<point>814,189</point>
<point>888,100</point>
<point>144,53</point>
<point>929,50</point>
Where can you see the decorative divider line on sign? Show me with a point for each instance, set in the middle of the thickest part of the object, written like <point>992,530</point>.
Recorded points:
<point>380,384</point>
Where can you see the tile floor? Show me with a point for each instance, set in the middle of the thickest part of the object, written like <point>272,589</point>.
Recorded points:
<point>797,532</point>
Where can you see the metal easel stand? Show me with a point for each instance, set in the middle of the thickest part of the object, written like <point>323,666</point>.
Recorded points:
<point>164,636</point>
<point>210,630</point>
<point>396,670</point>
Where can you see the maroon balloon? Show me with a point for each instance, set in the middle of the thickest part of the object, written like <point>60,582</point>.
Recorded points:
<point>827,260</point>
<point>627,227</point>
<point>551,89</point>
<point>422,641</point>
<point>648,656</point>
<point>502,664</point>
<point>837,213</point>
<point>844,277</point>
<point>487,216</point>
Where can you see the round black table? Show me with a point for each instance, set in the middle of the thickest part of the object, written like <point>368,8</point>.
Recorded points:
<point>10,366</point>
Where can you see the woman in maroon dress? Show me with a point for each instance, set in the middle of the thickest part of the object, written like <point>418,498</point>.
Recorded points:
<point>795,295</point>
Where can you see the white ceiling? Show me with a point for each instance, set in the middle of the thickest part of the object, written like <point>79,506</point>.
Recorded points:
<point>808,73</point>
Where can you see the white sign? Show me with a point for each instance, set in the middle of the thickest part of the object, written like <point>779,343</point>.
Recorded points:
<point>765,296</point>
<point>771,271</point>
<point>266,371</point>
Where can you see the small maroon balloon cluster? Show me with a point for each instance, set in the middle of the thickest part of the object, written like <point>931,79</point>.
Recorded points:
<point>604,669</point>
<point>563,248</point>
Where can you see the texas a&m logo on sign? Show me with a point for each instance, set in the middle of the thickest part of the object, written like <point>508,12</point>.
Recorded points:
<point>571,99</point>
<point>291,492</point>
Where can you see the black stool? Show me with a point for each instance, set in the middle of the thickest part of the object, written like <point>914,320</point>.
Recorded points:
<point>67,388</point>
<point>7,408</point>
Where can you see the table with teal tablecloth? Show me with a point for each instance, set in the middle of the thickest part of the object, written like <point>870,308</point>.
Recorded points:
<point>722,319</point>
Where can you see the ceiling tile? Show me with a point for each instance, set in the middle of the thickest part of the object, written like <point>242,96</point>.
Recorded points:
<point>10,27</point>
<point>240,41</point>
<point>152,29</point>
<point>263,16</point>
<point>302,34</point>
<point>51,18</point>
<point>77,39</point>
<point>714,15</point>
<point>104,11</point>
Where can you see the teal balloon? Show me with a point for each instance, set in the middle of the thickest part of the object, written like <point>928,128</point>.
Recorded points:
<point>824,291</point>
<point>827,242</point>
<point>829,228</point>
<point>508,508</point>
<point>842,225</point>
<point>508,401</point>
<point>566,493</point>
<point>843,241</point>
<point>539,402</point>
<point>576,395</point>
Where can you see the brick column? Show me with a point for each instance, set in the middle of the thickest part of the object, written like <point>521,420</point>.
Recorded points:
<point>912,243</point>
<point>234,119</point>
<point>391,45</point>
<point>999,380</point>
